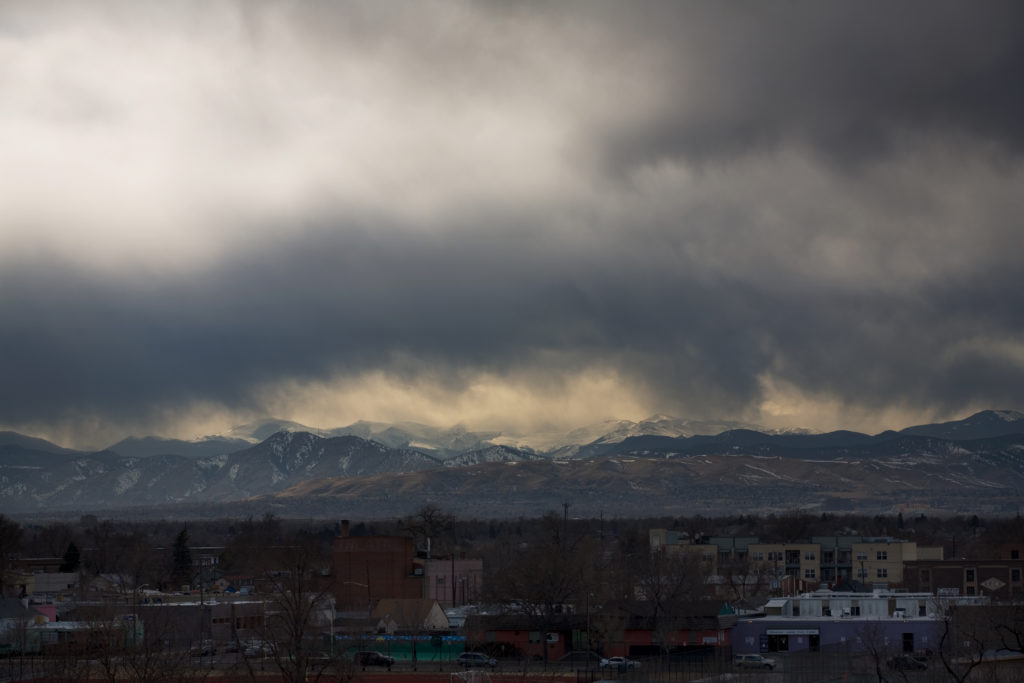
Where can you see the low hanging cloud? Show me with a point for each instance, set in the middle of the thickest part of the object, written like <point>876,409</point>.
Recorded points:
<point>517,216</point>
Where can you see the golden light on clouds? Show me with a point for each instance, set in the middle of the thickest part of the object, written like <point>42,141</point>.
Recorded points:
<point>785,405</point>
<point>484,401</point>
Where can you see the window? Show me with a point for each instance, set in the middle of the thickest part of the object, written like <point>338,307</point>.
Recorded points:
<point>970,575</point>
<point>757,555</point>
<point>881,573</point>
<point>809,574</point>
<point>882,555</point>
<point>862,555</point>
<point>796,608</point>
<point>854,609</point>
<point>809,555</point>
<point>1014,554</point>
<point>1015,575</point>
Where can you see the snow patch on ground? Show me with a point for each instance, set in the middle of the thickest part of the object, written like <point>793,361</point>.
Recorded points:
<point>214,461</point>
<point>761,469</point>
<point>127,480</point>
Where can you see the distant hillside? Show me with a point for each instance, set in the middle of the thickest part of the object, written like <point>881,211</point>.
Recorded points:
<point>13,441</point>
<point>987,423</point>
<point>944,479</point>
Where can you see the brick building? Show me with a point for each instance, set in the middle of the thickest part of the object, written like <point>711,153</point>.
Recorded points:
<point>997,579</point>
<point>369,568</point>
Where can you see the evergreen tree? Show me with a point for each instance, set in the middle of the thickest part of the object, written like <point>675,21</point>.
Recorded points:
<point>181,559</point>
<point>10,537</point>
<point>72,558</point>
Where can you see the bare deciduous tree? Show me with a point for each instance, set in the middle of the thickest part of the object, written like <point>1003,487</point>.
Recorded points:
<point>544,578</point>
<point>300,608</point>
<point>430,524</point>
<point>664,581</point>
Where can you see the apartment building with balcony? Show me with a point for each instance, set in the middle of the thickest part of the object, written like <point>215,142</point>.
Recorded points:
<point>872,562</point>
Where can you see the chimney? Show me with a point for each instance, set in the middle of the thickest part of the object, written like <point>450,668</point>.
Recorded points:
<point>344,529</point>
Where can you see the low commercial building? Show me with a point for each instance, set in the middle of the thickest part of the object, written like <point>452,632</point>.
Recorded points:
<point>849,622</point>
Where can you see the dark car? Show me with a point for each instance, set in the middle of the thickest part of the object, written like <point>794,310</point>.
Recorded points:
<point>473,659</point>
<point>373,659</point>
<point>907,663</point>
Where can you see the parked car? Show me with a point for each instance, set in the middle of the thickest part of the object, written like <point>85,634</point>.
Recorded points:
<point>473,659</point>
<point>256,648</point>
<point>753,662</point>
<point>907,663</point>
<point>373,658</point>
<point>619,663</point>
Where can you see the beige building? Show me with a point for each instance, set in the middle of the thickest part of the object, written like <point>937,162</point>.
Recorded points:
<point>801,560</point>
<point>679,542</point>
<point>876,562</point>
<point>880,561</point>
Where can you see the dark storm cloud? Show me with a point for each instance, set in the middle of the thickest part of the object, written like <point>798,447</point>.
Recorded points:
<point>728,204</point>
<point>848,79</point>
<point>342,304</point>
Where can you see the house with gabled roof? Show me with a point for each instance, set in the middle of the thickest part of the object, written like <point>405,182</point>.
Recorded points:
<point>409,614</point>
<point>16,617</point>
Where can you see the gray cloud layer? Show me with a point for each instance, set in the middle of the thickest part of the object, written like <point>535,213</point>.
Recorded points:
<point>739,209</point>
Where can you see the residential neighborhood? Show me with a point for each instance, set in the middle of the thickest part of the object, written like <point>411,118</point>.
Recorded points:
<point>558,599</point>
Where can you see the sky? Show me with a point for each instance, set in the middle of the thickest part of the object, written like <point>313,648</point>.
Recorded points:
<point>515,216</point>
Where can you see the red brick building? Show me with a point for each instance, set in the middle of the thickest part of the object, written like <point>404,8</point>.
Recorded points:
<point>369,568</point>
<point>997,579</point>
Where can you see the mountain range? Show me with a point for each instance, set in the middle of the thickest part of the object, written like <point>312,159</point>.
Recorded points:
<point>662,465</point>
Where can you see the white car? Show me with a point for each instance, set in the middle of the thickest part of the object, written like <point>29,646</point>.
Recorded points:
<point>753,662</point>
<point>620,663</point>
